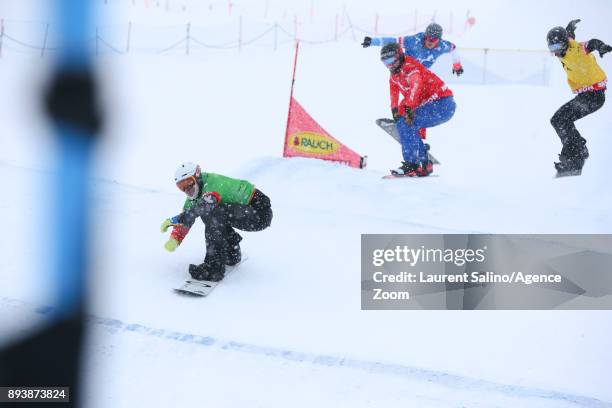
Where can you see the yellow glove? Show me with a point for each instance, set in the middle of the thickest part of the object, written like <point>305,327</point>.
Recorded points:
<point>171,245</point>
<point>166,224</point>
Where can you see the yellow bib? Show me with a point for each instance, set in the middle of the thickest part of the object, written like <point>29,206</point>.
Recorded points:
<point>583,72</point>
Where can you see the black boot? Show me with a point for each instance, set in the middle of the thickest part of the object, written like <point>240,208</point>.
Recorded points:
<point>573,155</point>
<point>407,169</point>
<point>210,270</point>
<point>569,164</point>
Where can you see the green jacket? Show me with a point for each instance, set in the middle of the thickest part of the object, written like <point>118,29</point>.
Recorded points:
<point>230,190</point>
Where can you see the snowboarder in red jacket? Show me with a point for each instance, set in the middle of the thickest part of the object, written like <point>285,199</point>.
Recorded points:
<point>426,102</point>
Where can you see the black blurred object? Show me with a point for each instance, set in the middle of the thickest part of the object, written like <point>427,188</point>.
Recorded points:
<point>50,357</point>
<point>72,99</point>
<point>458,71</point>
<point>571,28</point>
<point>366,42</point>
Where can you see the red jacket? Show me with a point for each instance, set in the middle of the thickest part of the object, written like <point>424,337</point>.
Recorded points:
<point>417,84</point>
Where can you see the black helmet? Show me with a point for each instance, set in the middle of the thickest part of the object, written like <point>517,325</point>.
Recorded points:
<point>434,30</point>
<point>558,41</point>
<point>392,56</point>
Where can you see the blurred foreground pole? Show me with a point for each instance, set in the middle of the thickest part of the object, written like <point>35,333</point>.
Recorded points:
<point>51,356</point>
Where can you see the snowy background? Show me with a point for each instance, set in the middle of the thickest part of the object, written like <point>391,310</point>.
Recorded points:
<point>286,329</point>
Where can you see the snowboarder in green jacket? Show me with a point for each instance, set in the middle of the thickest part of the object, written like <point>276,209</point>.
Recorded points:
<point>223,203</point>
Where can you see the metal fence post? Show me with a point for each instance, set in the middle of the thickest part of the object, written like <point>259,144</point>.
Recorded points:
<point>336,29</point>
<point>484,66</point>
<point>187,39</point>
<point>42,50</point>
<point>376,24</point>
<point>1,35</point>
<point>129,37</point>
<point>240,33</point>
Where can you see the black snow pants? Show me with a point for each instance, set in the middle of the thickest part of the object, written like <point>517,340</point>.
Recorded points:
<point>563,120</point>
<point>221,221</point>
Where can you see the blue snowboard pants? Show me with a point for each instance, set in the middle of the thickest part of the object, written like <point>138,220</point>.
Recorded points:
<point>429,115</point>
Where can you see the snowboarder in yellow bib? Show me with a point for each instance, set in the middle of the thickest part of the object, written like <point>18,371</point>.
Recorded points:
<point>588,81</point>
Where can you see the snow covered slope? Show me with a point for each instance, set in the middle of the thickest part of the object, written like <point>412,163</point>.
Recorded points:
<point>287,329</point>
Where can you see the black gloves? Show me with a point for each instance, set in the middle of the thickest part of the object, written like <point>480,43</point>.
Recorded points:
<point>598,45</point>
<point>395,114</point>
<point>408,115</point>
<point>366,42</point>
<point>571,28</point>
<point>604,49</point>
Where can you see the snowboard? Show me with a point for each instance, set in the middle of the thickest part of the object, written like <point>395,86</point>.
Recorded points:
<point>388,125</point>
<point>393,176</point>
<point>202,288</point>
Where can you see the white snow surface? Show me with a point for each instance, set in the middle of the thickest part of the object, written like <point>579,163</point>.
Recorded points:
<point>286,329</point>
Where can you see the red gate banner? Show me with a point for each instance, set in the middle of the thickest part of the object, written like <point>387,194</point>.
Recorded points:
<point>304,137</point>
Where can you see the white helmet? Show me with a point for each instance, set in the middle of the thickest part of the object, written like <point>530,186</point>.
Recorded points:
<point>186,170</point>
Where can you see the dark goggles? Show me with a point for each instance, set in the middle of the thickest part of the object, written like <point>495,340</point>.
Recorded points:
<point>556,47</point>
<point>389,61</point>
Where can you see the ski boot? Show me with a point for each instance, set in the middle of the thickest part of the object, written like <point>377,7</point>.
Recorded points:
<point>413,169</point>
<point>407,169</point>
<point>209,271</point>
